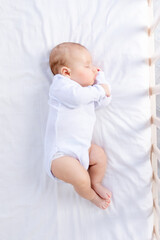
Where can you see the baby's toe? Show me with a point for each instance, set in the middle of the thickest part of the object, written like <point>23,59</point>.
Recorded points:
<point>109,194</point>
<point>105,205</point>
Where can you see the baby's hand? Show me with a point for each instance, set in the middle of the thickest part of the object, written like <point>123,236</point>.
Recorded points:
<point>106,88</point>
<point>98,69</point>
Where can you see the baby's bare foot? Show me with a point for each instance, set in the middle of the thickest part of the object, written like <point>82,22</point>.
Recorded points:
<point>102,191</point>
<point>99,202</point>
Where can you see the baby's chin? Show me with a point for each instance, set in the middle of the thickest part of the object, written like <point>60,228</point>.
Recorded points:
<point>91,83</point>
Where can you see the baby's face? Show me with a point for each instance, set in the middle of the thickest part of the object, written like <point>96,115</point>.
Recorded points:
<point>82,70</point>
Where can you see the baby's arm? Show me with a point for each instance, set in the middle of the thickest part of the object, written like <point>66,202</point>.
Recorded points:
<point>100,80</point>
<point>72,95</point>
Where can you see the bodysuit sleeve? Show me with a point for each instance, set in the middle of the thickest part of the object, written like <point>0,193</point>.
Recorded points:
<point>103,102</point>
<point>72,94</point>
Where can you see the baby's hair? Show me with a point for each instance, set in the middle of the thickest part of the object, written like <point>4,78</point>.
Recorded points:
<point>61,54</point>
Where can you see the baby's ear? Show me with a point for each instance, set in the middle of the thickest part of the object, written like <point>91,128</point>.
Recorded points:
<point>65,71</point>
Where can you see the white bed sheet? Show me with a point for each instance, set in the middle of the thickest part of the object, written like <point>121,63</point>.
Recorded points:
<point>33,206</point>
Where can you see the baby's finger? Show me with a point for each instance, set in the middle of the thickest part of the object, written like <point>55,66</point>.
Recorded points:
<point>108,94</point>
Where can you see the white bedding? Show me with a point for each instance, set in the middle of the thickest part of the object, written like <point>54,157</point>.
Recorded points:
<point>33,206</point>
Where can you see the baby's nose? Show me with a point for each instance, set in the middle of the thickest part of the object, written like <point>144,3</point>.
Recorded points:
<point>94,69</point>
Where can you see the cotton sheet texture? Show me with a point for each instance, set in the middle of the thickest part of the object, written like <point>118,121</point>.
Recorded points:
<point>33,206</point>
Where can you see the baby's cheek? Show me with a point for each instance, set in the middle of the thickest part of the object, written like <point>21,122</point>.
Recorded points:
<point>83,75</point>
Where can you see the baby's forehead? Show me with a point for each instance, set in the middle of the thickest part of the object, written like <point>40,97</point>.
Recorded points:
<point>86,58</point>
<point>77,54</point>
<point>78,50</point>
<point>82,55</point>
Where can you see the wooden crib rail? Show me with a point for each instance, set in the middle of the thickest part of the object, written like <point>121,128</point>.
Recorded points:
<point>156,151</point>
<point>149,2</point>
<point>153,27</point>
<point>156,185</point>
<point>154,55</point>
<point>154,59</point>
<point>156,121</point>
<point>156,179</point>
<point>155,234</point>
<point>154,90</point>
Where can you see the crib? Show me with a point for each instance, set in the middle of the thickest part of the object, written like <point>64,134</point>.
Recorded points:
<point>121,38</point>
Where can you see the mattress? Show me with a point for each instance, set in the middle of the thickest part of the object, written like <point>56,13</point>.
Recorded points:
<point>33,206</point>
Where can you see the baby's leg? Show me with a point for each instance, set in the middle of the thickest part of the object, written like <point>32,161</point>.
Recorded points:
<point>69,170</point>
<point>98,163</point>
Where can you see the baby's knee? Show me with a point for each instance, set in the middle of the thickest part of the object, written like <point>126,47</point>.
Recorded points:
<point>102,159</point>
<point>101,152</point>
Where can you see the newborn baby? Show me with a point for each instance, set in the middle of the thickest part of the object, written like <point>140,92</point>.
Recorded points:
<point>78,88</point>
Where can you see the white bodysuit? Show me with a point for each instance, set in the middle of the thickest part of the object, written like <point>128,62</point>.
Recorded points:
<point>71,118</point>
